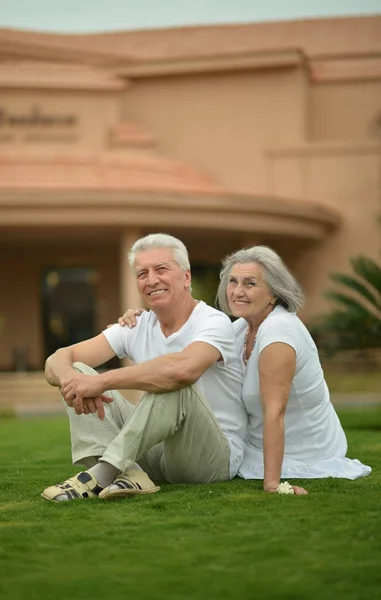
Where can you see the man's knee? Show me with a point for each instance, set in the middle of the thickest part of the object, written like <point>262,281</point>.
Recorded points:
<point>186,393</point>
<point>81,367</point>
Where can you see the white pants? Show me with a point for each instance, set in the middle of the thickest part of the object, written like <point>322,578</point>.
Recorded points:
<point>173,436</point>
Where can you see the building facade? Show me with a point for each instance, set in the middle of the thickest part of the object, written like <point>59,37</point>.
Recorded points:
<point>224,136</point>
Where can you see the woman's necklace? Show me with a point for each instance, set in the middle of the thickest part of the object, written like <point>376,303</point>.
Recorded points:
<point>247,351</point>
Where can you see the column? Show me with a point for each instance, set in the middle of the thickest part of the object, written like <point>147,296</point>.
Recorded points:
<point>129,296</point>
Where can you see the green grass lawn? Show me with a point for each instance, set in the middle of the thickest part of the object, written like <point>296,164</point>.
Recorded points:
<point>353,383</point>
<point>226,541</point>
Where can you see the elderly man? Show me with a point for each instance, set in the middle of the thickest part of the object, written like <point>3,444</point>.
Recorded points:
<point>190,424</point>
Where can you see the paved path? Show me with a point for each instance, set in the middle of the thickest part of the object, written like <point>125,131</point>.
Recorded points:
<point>355,400</point>
<point>55,407</point>
<point>28,394</point>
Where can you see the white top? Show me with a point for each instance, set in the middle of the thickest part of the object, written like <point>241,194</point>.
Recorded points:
<point>315,443</point>
<point>221,384</point>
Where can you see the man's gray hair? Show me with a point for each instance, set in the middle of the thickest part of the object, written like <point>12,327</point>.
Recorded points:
<point>161,240</point>
<point>281,283</point>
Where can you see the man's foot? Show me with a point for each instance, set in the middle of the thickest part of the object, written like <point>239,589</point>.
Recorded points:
<point>129,483</point>
<point>82,485</point>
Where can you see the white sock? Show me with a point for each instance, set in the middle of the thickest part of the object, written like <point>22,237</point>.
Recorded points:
<point>90,461</point>
<point>104,473</point>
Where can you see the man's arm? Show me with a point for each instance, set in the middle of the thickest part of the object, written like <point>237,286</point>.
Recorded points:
<point>165,373</point>
<point>93,352</point>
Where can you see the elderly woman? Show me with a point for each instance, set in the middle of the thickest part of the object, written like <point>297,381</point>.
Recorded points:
<point>293,429</point>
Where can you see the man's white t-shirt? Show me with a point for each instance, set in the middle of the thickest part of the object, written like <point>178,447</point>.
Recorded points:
<point>221,384</point>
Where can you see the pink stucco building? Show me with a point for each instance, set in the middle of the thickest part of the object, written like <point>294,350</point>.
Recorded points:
<point>224,136</point>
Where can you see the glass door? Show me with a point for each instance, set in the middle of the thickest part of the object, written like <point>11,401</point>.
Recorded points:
<point>68,306</point>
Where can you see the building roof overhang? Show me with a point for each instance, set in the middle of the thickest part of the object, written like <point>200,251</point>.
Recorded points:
<point>317,37</point>
<point>340,47</point>
<point>143,189</point>
<point>239,213</point>
<point>51,75</point>
<point>283,58</point>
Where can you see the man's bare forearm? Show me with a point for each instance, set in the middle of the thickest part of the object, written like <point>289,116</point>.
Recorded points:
<point>172,371</point>
<point>162,374</point>
<point>59,366</point>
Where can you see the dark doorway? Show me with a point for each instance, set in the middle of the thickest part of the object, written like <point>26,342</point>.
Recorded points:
<point>68,306</point>
<point>205,280</point>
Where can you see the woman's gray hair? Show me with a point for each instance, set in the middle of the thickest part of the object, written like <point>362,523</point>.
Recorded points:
<point>281,283</point>
<point>161,240</point>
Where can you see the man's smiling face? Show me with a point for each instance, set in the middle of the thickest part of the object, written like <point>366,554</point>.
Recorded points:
<point>161,282</point>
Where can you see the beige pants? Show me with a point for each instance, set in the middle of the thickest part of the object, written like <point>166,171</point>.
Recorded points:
<point>173,436</point>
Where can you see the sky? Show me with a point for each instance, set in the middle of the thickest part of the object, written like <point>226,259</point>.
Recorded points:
<point>110,15</point>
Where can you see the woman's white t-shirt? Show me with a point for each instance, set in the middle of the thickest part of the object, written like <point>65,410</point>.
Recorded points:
<point>315,443</point>
<point>221,384</point>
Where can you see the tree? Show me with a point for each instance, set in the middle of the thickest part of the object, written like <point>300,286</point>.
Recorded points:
<point>356,322</point>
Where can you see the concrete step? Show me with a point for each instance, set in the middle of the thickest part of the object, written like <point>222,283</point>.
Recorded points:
<point>24,393</point>
<point>28,394</point>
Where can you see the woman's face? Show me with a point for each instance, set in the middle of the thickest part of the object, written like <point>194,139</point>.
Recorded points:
<point>248,294</point>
